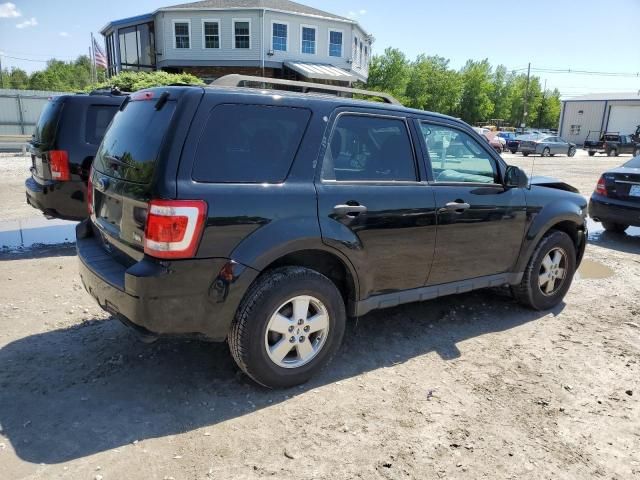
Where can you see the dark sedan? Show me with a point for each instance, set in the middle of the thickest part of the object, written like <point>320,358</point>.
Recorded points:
<point>616,199</point>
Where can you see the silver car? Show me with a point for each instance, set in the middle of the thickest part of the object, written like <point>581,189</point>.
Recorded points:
<point>546,146</point>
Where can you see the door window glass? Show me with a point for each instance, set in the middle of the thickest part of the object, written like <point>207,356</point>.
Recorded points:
<point>456,157</point>
<point>98,118</point>
<point>370,148</point>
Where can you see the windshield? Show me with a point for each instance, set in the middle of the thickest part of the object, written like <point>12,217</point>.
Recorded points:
<point>130,147</point>
<point>633,163</point>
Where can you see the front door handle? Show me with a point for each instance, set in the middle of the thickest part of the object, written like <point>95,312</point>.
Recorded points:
<point>349,210</point>
<point>457,207</point>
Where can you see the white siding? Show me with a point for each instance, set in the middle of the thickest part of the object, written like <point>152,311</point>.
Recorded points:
<point>623,118</point>
<point>589,119</point>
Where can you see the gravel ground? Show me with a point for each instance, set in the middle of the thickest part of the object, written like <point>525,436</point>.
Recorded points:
<point>468,386</point>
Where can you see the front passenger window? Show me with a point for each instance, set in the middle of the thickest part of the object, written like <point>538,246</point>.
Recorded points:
<point>456,157</point>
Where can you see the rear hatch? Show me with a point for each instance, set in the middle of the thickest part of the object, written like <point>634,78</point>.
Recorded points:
<point>126,168</point>
<point>43,139</point>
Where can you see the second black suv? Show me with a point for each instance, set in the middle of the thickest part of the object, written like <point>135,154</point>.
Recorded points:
<point>63,145</point>
<point>266,217</point>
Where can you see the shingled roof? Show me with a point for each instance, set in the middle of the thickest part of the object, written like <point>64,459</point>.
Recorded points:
<point>282,5</point>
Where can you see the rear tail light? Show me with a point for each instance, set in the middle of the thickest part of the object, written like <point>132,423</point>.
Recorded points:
<point>59,163</point>
<point>174,228</point>
<point>601,188</point>
<point>90,192</point>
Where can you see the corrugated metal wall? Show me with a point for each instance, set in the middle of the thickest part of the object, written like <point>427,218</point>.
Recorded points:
<point>579,117</point>
<point>20,109</point>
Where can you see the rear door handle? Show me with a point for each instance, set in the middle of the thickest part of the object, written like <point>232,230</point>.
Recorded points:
<point>349,210</point>
<point>457,207</point>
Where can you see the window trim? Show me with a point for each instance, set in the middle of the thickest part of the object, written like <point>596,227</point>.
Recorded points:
<point>173,31</point>
<point>233,32</point>
<point>315,42</point>
<point>414,152</point>
<point>204,35</point>
<point>280,22</point>
<point>500,166</point>
<point>337,30</point>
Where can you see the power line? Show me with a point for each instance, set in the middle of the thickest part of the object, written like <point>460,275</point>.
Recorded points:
<point>25,59</point>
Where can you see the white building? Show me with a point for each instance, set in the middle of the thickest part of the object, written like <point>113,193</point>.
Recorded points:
<point>601,112</point>
<point>211,38</point>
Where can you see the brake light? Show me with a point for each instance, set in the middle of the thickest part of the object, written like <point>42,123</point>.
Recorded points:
<point>601,188</point>
<point>59,163</point>
<point>90,192</point>
<point>174,228</point>
<point>142,95</point>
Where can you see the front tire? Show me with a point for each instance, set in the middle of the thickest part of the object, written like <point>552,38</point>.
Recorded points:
<point>288,327</point>
<point>525,154</point>
<point>571,152</point>
<point>614,227</point>
<point>591,153</point>
<point>546,152</point>
<point>513,151</point>
<point>549,273</point>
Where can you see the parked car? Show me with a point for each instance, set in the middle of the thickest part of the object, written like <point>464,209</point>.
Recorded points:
<point>547,146</point>
<point>612,144</point>
<point>513,145</point>
<point>507,135</point>
<point>616,199</point>
<point>62,148</point>
<point>266,217</point>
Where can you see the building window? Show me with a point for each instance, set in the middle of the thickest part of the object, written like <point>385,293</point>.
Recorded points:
<point>361,57</point>
<point>335,43</point>
<point>241,33</point>
<point>182,34</point>
<point>137,47</point>
<point>211,32</point>
<point>280,36</point>
<point>366,54</point>
<point>355,50</point>
<point>308,40</point>
<point>575,130</point>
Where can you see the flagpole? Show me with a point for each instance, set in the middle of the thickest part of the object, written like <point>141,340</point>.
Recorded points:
<point>93,61</point>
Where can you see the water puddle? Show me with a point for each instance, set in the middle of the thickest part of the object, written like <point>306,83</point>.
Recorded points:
<point>34,232</point>
<point>590,269</point>
<point>596,230</point>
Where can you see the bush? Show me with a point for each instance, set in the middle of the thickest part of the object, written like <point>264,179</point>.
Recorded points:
<point>129,81</point>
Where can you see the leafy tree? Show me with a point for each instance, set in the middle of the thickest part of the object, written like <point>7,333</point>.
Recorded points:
<point>476,104</point>
<point>433,85</point>
<point>502,83</point>
<point>389,73</point>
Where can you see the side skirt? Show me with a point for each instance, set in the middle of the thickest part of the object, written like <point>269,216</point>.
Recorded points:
<point>392,299</point>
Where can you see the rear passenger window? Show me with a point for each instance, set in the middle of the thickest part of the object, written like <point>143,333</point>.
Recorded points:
<point>98,118</point>
<point>367,148</point>
<point>249,144</point>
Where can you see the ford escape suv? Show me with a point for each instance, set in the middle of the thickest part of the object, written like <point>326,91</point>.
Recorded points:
<point>62,147</point>
<point>266,217</point>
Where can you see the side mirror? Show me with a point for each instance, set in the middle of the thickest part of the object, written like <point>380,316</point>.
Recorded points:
<point>515,178</point>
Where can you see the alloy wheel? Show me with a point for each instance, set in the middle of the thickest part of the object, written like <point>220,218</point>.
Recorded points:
<point>553,271</point>
<point>297,331</point>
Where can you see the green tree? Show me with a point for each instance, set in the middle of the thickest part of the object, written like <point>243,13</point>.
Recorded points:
<point>389,73</point>
<point>549,109</point>
<point>17,78</point>
<point>476,104</point>
<point>502,83</point>
<point>433,86</point>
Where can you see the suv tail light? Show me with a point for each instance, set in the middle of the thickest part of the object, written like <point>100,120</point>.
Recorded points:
<point>59,163</point>
<point>90,192</point>
<point>601,188</point>
<point>174,228</point>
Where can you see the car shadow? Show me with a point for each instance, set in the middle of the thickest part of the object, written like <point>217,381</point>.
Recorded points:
<point>73,392</point>
<point>42,251</point>
<point>628,242</point>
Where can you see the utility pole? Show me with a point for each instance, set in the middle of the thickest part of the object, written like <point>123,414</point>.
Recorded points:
<point>526,98</point>
<point>543,104</point>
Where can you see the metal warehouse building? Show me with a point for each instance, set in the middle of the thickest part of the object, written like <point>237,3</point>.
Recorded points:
<point>611,112</point>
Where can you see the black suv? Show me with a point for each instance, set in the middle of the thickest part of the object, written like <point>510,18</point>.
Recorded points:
<point>266,217</point>
<point>63,145</point>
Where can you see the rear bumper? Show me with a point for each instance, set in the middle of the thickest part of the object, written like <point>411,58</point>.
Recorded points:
<point>183,297</point>
<point>66,200</point>
<point>616,211</point>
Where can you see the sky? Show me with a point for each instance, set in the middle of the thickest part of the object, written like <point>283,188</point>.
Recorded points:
<point>582,35</point>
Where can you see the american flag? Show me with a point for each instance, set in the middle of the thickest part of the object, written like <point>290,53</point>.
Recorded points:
<point>98,53</point>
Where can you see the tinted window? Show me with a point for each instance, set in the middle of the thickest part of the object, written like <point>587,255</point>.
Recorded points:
<point>249,144</point>
<point>98,118</point>
<point>130,147</point>
<point>45,130</point>
<point>456,157</point>
<point>369,148</point>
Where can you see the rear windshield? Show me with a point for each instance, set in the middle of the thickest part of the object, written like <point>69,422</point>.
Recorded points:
<point>45,131</point>
<point>633,163</point>
<point>130,147</point>
<point>249,144</point>
<point>98,118</point>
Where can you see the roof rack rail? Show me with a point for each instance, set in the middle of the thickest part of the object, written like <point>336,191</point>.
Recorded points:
<point>236,80</point>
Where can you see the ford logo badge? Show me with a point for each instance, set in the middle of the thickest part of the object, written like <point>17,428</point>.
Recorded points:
<point>103,184</point>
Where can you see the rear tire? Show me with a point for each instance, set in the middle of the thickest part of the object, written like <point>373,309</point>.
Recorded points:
<point>612,153</point>
<point>546,152</point>
<point>614,227</point>
<point>591,153</point>
<point>571,152</point>
<point>636,152</point>
<point>525,154</point>
<point>533,291</point>
<point>513,151</point>
<point>269,320</point>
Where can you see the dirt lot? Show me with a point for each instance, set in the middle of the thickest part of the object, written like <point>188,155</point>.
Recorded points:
<point>470,386</point>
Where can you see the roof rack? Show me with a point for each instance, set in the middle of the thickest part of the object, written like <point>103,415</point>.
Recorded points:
<point>236,80</point>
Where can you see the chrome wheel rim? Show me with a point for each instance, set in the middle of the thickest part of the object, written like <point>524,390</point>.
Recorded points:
<point>296,331</point>
<point>553,271</point>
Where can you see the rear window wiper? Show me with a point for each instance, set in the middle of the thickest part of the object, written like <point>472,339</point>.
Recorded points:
<point>115,160</point>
